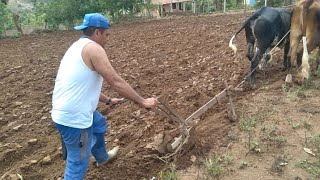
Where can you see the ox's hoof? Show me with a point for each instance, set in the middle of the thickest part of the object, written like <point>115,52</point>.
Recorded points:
<point>251,82</point>
<point>289,79</point>
<point>299,80</point>
<point>253,86</point>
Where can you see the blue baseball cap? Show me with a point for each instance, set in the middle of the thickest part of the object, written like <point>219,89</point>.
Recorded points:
<point>94,20</point>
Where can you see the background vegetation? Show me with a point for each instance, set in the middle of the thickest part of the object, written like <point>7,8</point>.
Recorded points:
<point>57,14</point>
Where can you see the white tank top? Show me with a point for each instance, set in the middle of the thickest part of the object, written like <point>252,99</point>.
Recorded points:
<point>77,89</point>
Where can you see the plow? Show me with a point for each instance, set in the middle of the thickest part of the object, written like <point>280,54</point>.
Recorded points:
<point>173,141</point>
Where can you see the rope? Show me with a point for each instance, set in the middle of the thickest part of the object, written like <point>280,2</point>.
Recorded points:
<point>264,56</point>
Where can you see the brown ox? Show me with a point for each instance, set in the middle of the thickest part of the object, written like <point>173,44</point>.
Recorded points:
<point>305,23</point>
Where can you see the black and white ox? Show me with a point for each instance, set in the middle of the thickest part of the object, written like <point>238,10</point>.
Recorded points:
<point>267,26</point>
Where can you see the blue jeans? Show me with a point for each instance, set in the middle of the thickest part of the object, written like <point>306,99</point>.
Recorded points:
<point>80,143</point>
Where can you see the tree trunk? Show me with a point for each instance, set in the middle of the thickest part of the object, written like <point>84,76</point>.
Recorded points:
<point>238,3</point>
<point>16,20</point>
<point>216,3</point>
<point>245,8</point>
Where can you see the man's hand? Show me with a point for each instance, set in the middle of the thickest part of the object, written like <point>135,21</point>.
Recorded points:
<point>115,101</point>
<point>150,103</point>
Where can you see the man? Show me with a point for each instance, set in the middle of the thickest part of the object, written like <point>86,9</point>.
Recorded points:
<point>77,92</point>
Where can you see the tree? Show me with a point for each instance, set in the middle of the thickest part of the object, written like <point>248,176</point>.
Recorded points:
<point>5,2</point>
<point>238,3</point>
<point>67,12</point>
<point>5,18</point>
<point>16,21</point>
<point>272,3</point>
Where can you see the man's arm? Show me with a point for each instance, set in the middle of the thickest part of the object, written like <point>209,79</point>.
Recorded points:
<point>102,65</point>
<point>109,101</point>
<point>103,98</point>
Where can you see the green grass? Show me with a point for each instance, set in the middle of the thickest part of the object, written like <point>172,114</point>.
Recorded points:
<point>170,174</point>
<point>255,146</point>
<point>302,123</point>
<point>280,140</point>
<point>296,125</point>
<point>270,129</point>
<point>243,164</point>
<point>313,168</point>
<point>227,159</point>
<point>317,140</point>
<point>271,136</point>
<point>214,167</point>
<point>247,123</point>
<point>294,93</point>
<point>307,125</point>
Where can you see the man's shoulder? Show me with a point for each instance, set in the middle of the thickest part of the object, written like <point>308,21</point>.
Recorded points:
<point>93,49</point>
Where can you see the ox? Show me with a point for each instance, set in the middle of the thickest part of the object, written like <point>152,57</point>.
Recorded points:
<point>305,22</point>
<point>267,26</point>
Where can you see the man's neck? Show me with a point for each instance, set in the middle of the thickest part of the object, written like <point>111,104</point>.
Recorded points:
<point>84,36</point>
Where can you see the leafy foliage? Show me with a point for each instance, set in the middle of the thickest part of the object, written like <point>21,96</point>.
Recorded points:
<point>313,168</point>
<point>67,13</point>
<point>214,166</point>
<point>5,18</point>
<point>169,174</point>
<point>5,2</point>
<point>274,3</point>
<point>209,6</point>
<point>62,12</point>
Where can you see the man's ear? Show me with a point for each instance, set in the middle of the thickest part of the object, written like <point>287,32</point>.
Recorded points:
<point>95,32</point>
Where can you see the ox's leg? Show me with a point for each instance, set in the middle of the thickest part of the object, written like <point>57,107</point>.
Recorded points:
<point>286,63</point>
<point>268,55</point>
<point>263,34</point>
<point>312,45</point>
<point>299,56</point>
<point>292,60</point>
<point>292,55</point>
<point>313,42</point>
<point>254,63</point>
<point>295,37</point>
<point>250,43</point>
<point>317,63</point>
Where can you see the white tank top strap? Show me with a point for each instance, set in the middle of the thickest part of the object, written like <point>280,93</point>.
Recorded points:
<point>77,89</point>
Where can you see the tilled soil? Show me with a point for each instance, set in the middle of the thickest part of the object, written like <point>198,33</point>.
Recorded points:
<point>185,59</point>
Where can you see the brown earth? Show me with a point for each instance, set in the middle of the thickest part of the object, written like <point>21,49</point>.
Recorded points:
<point>185,59</point>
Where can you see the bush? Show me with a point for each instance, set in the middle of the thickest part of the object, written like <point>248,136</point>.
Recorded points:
<point>66,12</point>
<point>274,3</point>
<point>5,18</point>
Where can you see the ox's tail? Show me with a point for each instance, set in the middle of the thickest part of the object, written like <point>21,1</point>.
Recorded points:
<point>305,67</point>
<point>232,46</point>
<point>247,23</point>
